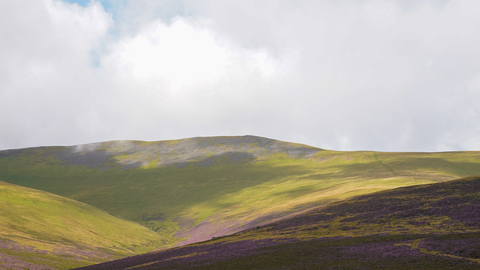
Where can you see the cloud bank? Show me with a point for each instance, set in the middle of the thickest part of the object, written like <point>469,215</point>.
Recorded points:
<point>346,75</point>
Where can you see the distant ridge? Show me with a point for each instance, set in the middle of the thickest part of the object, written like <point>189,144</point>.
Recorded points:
<point>202,151</point>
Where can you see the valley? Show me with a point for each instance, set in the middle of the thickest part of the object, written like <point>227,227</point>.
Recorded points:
<point>192,190</point>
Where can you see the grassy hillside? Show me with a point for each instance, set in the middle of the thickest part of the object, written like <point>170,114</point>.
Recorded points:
<point>193,189</point>
<point>434,226</point>
<point>40,229</point>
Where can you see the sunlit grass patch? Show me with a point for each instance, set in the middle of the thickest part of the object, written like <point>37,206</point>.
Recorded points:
<point>55,226</point>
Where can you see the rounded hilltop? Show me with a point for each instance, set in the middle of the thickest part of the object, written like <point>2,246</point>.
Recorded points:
<point>199,151</point>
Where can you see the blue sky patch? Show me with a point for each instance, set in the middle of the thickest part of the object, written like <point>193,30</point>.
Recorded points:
<point>105,3</point>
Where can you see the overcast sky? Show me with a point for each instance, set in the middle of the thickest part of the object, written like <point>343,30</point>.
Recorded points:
<point>385,75</point>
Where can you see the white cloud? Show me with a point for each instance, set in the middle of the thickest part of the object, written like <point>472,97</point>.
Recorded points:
<point>380,75</point>
<point>47,78</point>
<point>185,72</point>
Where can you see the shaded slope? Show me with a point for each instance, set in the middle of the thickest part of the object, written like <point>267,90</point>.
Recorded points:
<point>193,189</point>
<point>40,230</point>
<point>433,226</point>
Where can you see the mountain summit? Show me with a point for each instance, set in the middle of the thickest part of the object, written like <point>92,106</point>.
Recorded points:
<point>200,151</point>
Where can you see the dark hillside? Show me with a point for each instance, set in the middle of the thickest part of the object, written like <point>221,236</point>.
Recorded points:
<point>433,226</point>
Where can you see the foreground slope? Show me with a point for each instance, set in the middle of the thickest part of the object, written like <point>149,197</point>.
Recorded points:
<point>433,226</point>
<point>194,189</point>
<point>39,230</point>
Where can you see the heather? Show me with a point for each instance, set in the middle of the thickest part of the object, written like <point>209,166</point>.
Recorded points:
<point>420,227</point>
<point>192,190</point>
<point>462,245</point>
<point>377,252</point>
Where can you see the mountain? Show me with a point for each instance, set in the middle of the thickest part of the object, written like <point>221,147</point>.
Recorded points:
<point>40,230</point>
<point>191,190</point>
<point>434,226</point>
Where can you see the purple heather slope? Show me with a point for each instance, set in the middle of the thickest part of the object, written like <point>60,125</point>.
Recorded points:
<point>438,227</point>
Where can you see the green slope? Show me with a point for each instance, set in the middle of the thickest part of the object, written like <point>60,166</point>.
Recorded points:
<point>192,189</point>
<point>37,227</point>
<point>435,226</point>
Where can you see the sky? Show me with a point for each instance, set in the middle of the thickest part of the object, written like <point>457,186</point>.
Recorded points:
<point>383,75</point>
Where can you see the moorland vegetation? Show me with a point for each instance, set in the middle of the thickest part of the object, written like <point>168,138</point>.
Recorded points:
<point>191,190</point>
<point>435,226</point>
